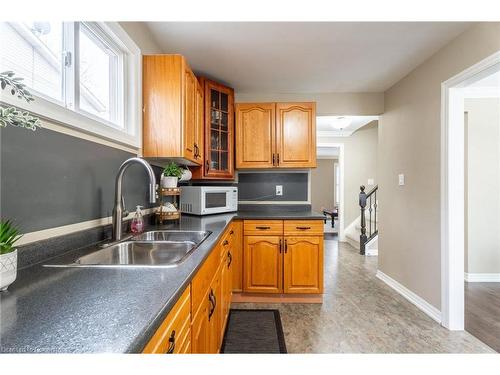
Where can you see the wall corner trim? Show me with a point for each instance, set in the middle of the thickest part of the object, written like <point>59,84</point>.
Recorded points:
<point>418,301</point>
<point>482,277</point>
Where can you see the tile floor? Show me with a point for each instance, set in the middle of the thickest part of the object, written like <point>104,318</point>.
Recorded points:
<point>361,314</point>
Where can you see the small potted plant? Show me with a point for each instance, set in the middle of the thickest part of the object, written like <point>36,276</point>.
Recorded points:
<point>171,175</point>
<point>9,235</point>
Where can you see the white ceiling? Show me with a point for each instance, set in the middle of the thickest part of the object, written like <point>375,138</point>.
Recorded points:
<point>341,126</point>
<point>305,57</point>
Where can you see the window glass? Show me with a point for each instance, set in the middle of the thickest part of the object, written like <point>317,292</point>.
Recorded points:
<point>33,50</point>
<point>99,70</point>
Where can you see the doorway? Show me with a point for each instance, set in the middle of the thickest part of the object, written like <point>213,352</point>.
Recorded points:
<point>327,185</point>
<point>470,82</point>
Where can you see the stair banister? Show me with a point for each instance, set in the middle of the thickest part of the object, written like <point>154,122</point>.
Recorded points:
<point>365,198</point>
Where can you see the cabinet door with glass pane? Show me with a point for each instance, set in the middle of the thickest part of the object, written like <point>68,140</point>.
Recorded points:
<point>219,131</point>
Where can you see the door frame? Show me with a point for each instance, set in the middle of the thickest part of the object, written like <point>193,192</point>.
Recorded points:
<point>341,193</point>
<point>453,189</point>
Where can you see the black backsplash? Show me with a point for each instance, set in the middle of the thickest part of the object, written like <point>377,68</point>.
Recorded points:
<point>255,186</point>
<point>49,179</point>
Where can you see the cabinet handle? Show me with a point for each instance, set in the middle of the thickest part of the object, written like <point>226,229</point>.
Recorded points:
<point>211,312</point>
<point>263,228</point>
<point>303,228</point>
<point>274,160</point>
<point>286,246</point>
<point>226,242</point>
<point>207,165</point>
<point>230,256</point>
<point>171,345</point>
<point>196,154</point>
<point>278,159</point>
<point>231,232</point>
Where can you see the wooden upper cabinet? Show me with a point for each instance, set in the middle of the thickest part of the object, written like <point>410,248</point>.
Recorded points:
<point>169,108</point>
<point>190,120</point>
<point>296,135</point>
<point>200,121</point>
<point>275,135</point>
<point>255,145</point>
<point>218,158</point>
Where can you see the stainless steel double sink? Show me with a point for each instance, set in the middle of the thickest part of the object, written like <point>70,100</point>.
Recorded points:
<point>165,248</point>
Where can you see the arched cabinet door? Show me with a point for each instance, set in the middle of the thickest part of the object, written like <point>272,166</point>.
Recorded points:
<point>255,135</point>
<point>296,135</point>
<point>263,264</point>
<point>303,264</point>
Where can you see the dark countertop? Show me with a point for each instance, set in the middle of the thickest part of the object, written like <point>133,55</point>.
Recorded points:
<point>103,310</point>
<point>279,214</point>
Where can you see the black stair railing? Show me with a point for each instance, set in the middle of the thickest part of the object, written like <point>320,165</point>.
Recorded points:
<point>367,199</point>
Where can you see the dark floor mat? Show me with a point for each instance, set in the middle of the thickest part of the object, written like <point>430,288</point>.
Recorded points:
<point>254,331</point>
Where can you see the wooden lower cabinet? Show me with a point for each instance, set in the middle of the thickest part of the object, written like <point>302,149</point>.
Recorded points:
<point>200,328</point>
<point>174,334</point>
<point>237,255</point>
<point>303,265</point>
<point>226,289</point>
<point>277,263</point>
<point>262,271</point>
<point>211,313</point>
<point>290,264</point>
<point>215,316</point>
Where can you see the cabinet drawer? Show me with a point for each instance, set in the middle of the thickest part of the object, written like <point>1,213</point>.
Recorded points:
<point>203,278</point>
<point>303,227</point>
<point>226,241</point>
<point>263,227</point>
<point>174,329</point>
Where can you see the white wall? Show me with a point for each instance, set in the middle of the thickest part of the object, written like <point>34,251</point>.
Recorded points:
<point>409,143</point>
<point>360,164</point>
<point>483,190</point>
<point>323,184</point>
<point>142,36</point>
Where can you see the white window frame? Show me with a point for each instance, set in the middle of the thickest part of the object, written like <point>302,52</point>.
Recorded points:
<point>68,113</point>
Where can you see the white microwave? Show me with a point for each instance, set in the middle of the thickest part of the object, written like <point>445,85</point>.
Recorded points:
<point>206,200</point>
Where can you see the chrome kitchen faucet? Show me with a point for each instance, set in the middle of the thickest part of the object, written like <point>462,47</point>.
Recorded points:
<point>118,207</point>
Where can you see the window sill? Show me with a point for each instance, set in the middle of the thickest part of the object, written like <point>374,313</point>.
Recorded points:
<point>52,112</point>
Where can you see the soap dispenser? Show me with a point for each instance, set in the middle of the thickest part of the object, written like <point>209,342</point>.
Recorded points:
<point>137,225</point>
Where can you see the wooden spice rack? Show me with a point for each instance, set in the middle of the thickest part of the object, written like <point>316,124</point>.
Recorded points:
<point>161,215</point>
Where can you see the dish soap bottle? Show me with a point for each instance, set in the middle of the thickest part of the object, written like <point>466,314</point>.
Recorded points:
<point>137,225</point>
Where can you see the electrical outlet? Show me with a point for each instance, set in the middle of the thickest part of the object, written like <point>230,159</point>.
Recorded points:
<point>371,182</point>
<point>279,189</point>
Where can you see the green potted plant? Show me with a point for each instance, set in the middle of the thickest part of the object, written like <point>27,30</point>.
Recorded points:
<point>170,176</point>
<point>9,235</point>
<point>11,115</point>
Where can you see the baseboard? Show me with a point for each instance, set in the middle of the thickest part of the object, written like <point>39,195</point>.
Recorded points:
<point>482,277</point>
<point>351,242</point>
<point>276,298</point>
<point>371,252</point>
<point>418,301</point>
